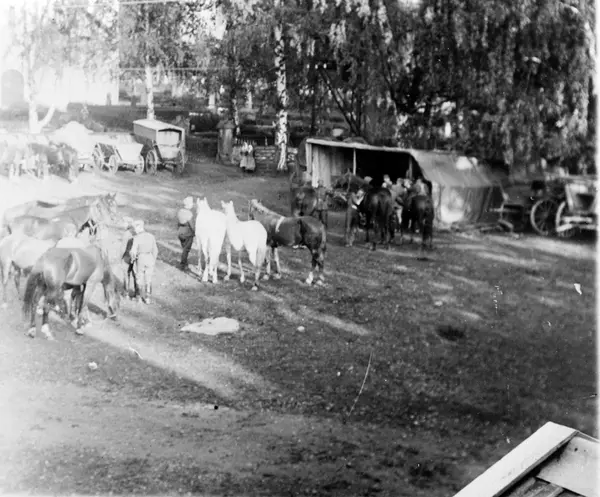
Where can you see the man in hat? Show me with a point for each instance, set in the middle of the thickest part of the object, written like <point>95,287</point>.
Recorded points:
<point>143,254</point>
<point>322,202</point>
<point>185,230</point>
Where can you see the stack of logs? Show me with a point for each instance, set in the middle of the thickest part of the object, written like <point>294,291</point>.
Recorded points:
<point>267,158</point>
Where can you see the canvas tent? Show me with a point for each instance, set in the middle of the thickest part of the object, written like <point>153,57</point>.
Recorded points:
<point>464,192</point>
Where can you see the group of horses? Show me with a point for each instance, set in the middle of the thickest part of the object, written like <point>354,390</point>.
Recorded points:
<point>378,208</point>
<point>260,236</point>
<point>37,156</point>
<point>43,242</point>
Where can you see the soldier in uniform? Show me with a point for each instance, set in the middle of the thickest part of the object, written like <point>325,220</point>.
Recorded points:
<point>126,262</point>
<point>185,230</point>
<point>353,216</point>
<point>143,255</point>
<point>398,196</point>
<point>322,202</point>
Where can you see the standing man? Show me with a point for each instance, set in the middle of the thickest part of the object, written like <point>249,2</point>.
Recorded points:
<point>398,197</point>
<point>353,216</point>
<point>387,182</point>
<point>143,254</point>
<point>322,202</point>
<point>185,230</point>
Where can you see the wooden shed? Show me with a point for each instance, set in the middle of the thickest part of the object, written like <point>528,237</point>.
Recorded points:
<point>556,461</point>
<point>464,191</point>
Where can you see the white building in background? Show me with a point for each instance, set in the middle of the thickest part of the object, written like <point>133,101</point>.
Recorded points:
<point>75,85</point>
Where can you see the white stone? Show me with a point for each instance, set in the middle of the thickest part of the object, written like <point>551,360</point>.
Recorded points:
<point>214,326</point>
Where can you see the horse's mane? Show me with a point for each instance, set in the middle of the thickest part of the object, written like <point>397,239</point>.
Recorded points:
<point>257,206</point>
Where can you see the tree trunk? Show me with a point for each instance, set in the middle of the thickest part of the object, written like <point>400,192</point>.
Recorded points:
<point>149,92</point>
<point>282,93</point>
<point>234,110</point>
<point>314,83</point>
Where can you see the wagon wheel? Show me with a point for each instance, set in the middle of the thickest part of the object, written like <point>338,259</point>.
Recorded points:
<point>151,162</point>
<point>179,163</point>
<point>98,158</point>
<point>113,164</point>
<point>542,216</point>
<point>139,165</point>
<point>560,213</point>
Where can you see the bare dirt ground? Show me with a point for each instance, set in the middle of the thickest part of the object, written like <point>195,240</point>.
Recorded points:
<point>262,412</point>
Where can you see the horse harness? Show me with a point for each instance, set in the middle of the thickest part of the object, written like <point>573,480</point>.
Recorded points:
<point>279,221</point>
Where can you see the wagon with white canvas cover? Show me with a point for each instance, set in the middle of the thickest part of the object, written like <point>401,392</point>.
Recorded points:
<point>163,144</point>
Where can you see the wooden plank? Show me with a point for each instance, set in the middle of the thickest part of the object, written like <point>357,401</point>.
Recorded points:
<point>520,461</point>
<point>576,468</point>
<point>354,162</point>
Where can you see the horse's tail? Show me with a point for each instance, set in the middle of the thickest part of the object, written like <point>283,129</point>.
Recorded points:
<point>35,282</point>
<point>261,254</point>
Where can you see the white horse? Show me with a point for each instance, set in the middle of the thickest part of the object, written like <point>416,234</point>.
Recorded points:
<point>210,234</point>
<point>249,235</point>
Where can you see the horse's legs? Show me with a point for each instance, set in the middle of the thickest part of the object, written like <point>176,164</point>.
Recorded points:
<point>278,266</point>
<point>320,260</point>
<point>45,329</point>
<point>268,263</point>
<point>242,275</point>
<point>228,251</point>
<point>206,264</point>
<point>86,293</point>
<point>5,274</point>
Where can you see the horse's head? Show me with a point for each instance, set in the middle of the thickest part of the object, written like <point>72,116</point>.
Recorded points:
<point>228,207</point>
<point>109,201</point>
<point>202,204</point>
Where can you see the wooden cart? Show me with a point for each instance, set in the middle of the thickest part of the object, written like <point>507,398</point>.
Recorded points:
<point>116,150</point>
<point>163,144</point>
<point>577,211</point>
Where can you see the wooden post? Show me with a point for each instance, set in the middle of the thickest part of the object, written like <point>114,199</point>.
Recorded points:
<point>354,161</point>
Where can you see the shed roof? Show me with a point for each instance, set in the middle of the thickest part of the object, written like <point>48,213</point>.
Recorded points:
<point>556,461</point>
<point>157,125</point>
<point>444,168</point>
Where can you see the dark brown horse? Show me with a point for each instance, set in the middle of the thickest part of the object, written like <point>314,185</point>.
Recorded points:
<point>292,231</point>
<point>49,210</point>
<point>419,212</point>
<point>59,158</point>
<point>303,199</point>
<point>378,208</point>
<point>76,269</point>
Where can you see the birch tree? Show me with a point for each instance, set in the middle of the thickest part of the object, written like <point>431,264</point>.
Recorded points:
<point>46,38</point>
<point>155,38</point>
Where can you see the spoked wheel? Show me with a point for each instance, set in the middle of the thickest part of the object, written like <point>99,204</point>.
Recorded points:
<point>98,159</point>
<point>542,216</point>
<point>139,166</point>
<point>113,164</point>
<point>560,221</point>
<point>151,162</point>
<point>179,163</point>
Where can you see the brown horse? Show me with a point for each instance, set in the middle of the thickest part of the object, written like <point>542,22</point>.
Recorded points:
<point>49,210</point>
<point>420,212</point>
<point>292,231</point>
<point>378,208</point>
<point>89,216</point>
<point>61,269</point>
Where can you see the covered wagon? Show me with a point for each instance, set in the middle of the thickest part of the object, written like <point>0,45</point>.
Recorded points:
<point>163,144</point>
